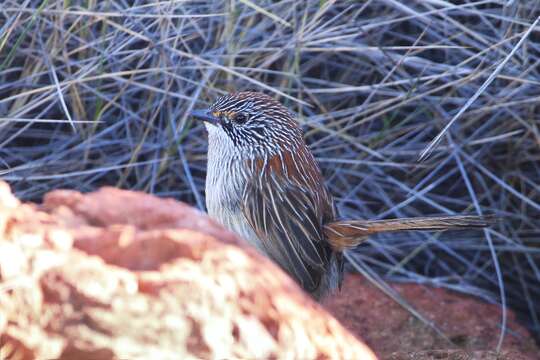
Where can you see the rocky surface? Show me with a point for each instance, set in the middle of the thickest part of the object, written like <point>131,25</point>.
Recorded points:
<point>117,274</point>
<point>467,328</point>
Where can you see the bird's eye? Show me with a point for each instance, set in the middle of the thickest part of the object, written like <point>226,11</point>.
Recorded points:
<point>240,118</point>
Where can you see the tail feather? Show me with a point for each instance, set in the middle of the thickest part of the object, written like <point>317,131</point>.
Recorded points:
<point>350,233</point>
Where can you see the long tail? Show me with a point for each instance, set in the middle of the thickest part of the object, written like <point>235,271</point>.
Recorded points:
<point>350,233</point>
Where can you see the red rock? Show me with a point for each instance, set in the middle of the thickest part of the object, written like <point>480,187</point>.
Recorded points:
<point>471,326</point>
<point>119,274</point>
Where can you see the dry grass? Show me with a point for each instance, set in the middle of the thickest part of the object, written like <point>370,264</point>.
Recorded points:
<point>98,92</point>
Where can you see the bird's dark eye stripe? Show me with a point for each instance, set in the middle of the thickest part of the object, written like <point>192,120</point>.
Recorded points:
<point>240,118</point>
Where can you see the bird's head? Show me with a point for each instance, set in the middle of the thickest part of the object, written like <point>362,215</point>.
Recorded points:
<point>251,124</point>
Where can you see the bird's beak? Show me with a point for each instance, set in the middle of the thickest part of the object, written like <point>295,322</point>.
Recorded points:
<point>205,115</point>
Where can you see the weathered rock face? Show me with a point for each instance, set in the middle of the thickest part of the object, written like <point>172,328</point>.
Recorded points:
<point>118,274</point>
<point>468,328</point>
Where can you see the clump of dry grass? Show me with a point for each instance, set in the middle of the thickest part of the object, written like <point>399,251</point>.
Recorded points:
<point>98,92</point>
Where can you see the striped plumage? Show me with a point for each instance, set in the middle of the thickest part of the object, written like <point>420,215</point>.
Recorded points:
<point>264,184</point>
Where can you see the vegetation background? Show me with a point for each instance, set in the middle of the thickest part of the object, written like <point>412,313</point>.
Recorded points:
<point>98,93</point>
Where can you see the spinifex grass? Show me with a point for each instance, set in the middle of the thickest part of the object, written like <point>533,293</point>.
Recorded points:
<point>98,93</point>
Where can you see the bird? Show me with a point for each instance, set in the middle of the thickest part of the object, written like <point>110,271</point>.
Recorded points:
<point>264,184</point>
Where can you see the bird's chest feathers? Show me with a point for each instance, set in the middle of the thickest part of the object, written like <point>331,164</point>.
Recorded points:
<point>225,182</point>
<point>223,188</point>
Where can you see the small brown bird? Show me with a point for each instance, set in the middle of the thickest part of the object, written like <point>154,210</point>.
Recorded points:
<point>264,184</point>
